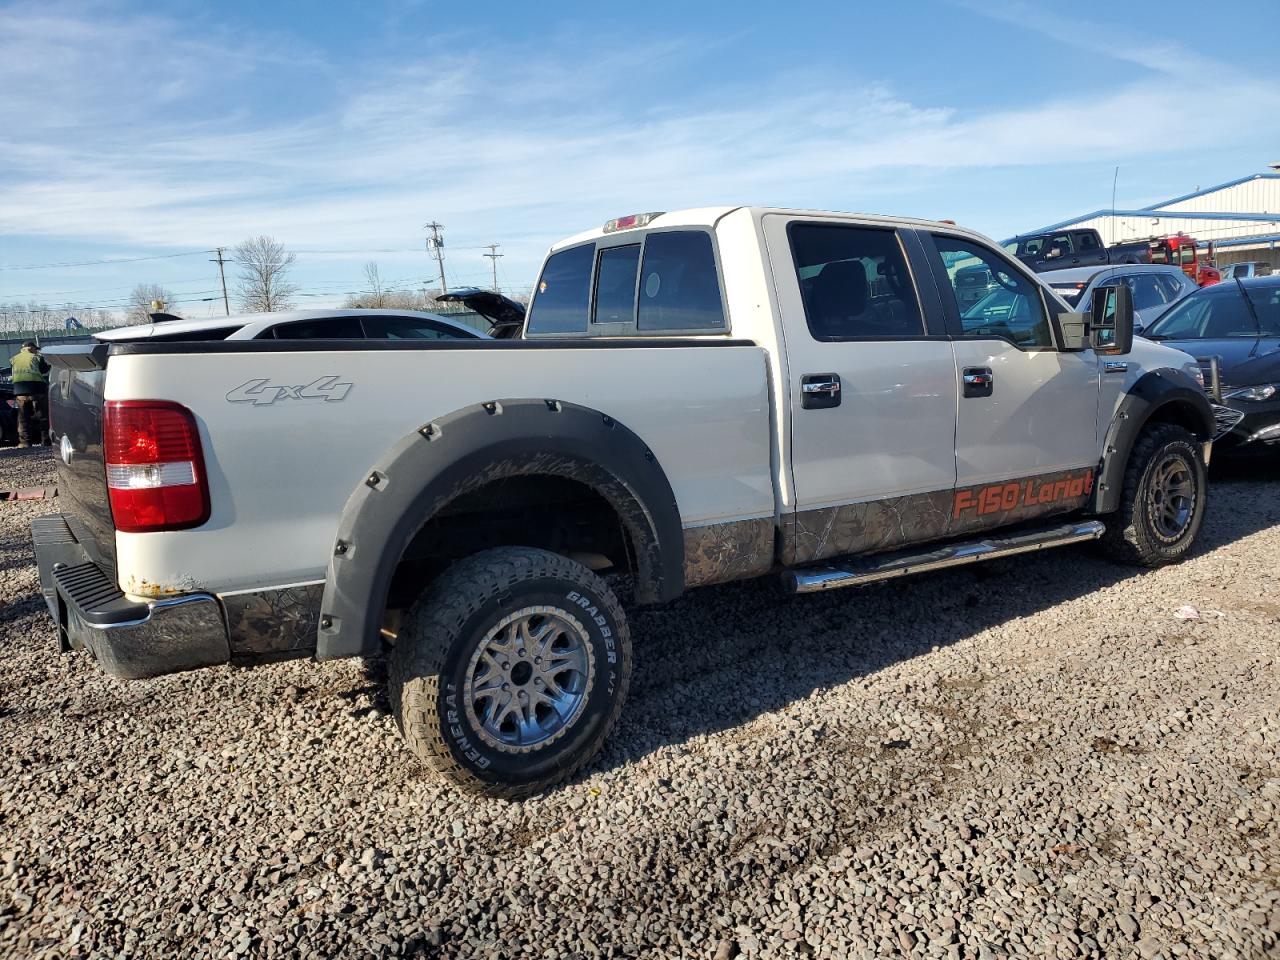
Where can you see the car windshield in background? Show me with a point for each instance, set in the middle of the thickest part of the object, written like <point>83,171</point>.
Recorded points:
<point>1220,312</point>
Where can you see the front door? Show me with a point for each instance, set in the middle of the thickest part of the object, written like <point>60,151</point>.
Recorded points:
<point>1026,426</point>
<point>871,378</point>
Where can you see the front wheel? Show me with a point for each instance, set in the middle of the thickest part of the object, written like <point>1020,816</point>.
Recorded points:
<point>1163,501</point>
<point>510,671</point>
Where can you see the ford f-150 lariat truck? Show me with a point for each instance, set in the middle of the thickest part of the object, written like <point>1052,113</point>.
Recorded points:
<point>696,397</point>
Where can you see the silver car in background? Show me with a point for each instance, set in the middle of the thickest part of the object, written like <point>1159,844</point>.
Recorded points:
<point>1155,286</point>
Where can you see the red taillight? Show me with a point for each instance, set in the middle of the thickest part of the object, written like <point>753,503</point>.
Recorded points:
<point>155,470</point>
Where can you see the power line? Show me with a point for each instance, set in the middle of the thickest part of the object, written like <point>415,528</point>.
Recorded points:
<point>91,263</point>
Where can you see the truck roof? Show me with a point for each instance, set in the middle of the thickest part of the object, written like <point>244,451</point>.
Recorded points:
<point>708,216</point>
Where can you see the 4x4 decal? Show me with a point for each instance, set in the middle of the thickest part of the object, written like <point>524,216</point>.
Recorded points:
<point>262,391</point>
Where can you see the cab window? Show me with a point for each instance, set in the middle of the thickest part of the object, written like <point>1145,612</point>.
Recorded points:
<point>1011,308</point>
<point>679,287</point>
<point>616,284</point>
<point>561,298</point>
<point>854,283</point>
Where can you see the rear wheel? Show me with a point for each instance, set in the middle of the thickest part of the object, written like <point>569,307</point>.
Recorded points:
<point>1163,501</point>
<point>510,671</point>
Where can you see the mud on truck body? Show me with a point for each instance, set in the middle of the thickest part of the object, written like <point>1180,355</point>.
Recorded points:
<point>697,397</point>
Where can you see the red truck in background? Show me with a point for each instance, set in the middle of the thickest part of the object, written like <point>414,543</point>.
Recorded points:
<point>1183,251</point>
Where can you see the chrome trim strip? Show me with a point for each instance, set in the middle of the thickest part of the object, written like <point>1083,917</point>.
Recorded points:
<point>873,569</point>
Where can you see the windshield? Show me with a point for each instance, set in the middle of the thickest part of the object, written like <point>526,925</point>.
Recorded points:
<point>1220,312</point>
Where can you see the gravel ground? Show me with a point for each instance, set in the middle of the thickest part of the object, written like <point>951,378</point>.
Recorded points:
<point>1033,757</point>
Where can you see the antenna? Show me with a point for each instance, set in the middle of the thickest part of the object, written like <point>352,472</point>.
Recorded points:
<point>1112,224</point>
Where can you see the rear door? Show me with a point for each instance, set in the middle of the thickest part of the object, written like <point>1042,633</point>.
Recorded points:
<point>871,381</point>
<point>1026,410</point>
<point>1089,251</point>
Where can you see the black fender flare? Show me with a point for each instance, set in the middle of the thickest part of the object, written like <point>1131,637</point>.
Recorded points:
<point>466,450</point>
<point>1152,392</point>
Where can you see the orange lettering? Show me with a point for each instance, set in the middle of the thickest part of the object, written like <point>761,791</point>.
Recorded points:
<point>1009,496</point>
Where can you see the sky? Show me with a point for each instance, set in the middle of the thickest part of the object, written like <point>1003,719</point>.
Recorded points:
<point>163,130</point>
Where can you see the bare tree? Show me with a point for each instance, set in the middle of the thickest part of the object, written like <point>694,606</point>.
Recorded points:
<point>140,301</point>
<point>377,296</point>
<point>264,275</point>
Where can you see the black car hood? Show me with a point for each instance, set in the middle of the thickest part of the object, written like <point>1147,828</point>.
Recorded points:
<point>1244,361</point>
<point>506,315</point>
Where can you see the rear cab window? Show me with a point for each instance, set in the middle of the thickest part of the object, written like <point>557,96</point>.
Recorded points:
<point>655,283</point>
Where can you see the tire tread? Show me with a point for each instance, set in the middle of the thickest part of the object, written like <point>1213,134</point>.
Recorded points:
<point>1124,541</point>
<point>417,662</point>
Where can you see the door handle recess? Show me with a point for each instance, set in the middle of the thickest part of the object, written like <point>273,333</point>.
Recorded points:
<point>978,381</point>
<point>819,391</point>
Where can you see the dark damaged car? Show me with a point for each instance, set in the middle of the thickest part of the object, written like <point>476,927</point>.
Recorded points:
<point>1237,324</point>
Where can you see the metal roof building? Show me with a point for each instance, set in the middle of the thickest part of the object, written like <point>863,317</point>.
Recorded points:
<point>1241,217</point>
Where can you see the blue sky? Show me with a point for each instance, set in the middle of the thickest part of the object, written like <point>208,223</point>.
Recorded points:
<point>150,129</point>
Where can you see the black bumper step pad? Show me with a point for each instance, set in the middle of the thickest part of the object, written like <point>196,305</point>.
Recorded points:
<point>96,597</point>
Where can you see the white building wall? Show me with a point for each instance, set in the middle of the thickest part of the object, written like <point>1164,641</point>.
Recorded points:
<point>1259,195</point>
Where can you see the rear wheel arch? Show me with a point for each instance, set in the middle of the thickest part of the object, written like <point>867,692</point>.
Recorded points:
<point>479,448</point>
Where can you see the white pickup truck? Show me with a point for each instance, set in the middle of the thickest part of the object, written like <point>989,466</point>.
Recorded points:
<point>697,397</point>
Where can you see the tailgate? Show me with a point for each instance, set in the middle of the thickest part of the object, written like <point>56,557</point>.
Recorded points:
<point>76,385</point>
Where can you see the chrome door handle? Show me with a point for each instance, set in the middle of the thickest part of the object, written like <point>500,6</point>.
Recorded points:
<point>819,391</point>
<point>822,386</point>
<point>978,382</point>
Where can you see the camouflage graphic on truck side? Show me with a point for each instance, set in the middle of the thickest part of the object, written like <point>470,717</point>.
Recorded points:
<point>268,623</point>
<point>873,526</point>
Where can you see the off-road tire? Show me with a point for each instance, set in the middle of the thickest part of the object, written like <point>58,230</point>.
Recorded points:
<point>1132,535</point>
<point>429,665</point>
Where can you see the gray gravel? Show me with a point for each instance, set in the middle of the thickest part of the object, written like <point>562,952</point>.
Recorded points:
<point>1031,758</point>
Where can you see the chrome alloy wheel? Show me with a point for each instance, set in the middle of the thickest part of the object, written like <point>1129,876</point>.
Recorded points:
<point>1171,497</point>
<point>528,679</point>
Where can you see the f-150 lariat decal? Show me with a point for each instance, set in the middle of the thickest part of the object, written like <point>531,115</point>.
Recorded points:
<point>262,391</point>
<point>884,524</point>
<point>1035,491</point>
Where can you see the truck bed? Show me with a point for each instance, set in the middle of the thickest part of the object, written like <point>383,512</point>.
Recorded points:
<point>290,429</point>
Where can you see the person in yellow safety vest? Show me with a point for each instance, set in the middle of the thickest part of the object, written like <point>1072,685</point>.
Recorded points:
<point>31,391</point>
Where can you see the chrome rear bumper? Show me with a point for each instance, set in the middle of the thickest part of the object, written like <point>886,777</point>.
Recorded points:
<point>130,638</point>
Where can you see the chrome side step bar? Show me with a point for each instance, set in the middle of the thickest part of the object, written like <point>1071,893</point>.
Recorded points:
<point>888,566</point>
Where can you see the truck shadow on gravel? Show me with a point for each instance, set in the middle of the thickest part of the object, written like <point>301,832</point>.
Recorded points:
<point>722,656</point>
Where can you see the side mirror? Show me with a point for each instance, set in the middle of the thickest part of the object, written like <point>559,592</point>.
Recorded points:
<point>1111,320</point>
<point>1053,254</point>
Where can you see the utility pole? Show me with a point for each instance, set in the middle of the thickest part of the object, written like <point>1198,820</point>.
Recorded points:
<point>226,304</point>
<point>436,242</point>
<point>493,256</point>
